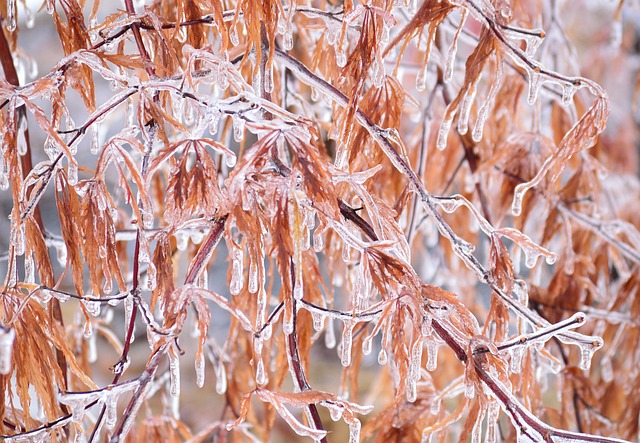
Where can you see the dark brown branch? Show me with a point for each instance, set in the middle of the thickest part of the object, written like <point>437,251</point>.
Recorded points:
<point>296,363</point>
<point>352,215</point>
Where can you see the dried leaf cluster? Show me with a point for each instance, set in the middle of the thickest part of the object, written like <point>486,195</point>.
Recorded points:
<point>370,175</point>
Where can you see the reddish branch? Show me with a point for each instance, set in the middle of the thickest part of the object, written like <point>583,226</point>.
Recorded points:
<point>296,363</point>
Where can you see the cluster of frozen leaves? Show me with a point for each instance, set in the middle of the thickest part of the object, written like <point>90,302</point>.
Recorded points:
<point>375,172</point>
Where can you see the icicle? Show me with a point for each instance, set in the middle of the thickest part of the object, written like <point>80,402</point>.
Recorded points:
<point>411,390</point>
<point>17,238</point>
<point>93,33</point>
<point>21,140</point>
<point>92,307</point>
<point>568,91</point>
<point>426,327</point>
<point>416,360</point>
<point>318,321</point>
<point>378,72</point>
<point>432,354</point>
<point>335,410</point>
<point>188,112</point>
<point>77,404</point>
<point>44,295</point>
<point>214,115</point>
<point>386,31</point>
<point>531,256</point>
<point>330,334</point>
<point>315,95</point>
<point>354,431</point>
<point>331,33</point>
<point>238,128</point>
<point>130,114</point>
<point>435,406</point>
<point>516,359</point>
<point>287,322</point>
<point>261,374</point>
<point>230,160</point>
<point>200,369</point>
<point>346,253</point>
<point>535,81</point>
<point>268,79</point>
<point>60,296</point>
<point>318,243</point>
<point>147,217</point>
<point>29,269</point>
<point>72,173</point>
<point>253,277</point>
<point>442,312</point>
<point>465,110</point>
<point>182,240</point>
<point>347,341</point>
<point>443,132</point>
<point>11,15</point>
<point>505,11</point>
<point>174,376</point>
<point>586,352</point>
<point>233,35</point>
<point>288,39</point>
<point>151,276</point>
<point>469,390</point>
<point>4,177</point>
<point>366,345</point>
<point>298,289</point>
<point>450,205</point>
<point>453,49</point>
<point>128,310</point>
<point>237,275</point>
<point>483,113</point>
<point>7,336</point>
<point>112,410</point>
<point>421,79</point>
<point>310,218</point>
<point>50,148</point>
<point>79,435</point>
<point>306,239</point>
<point>382,357</point>
<point>341,56</point>
<point>182,33</point>
<point>533,42</point>
<point>493,412</point>
<point>107,284</point>
<point>94,143</point>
